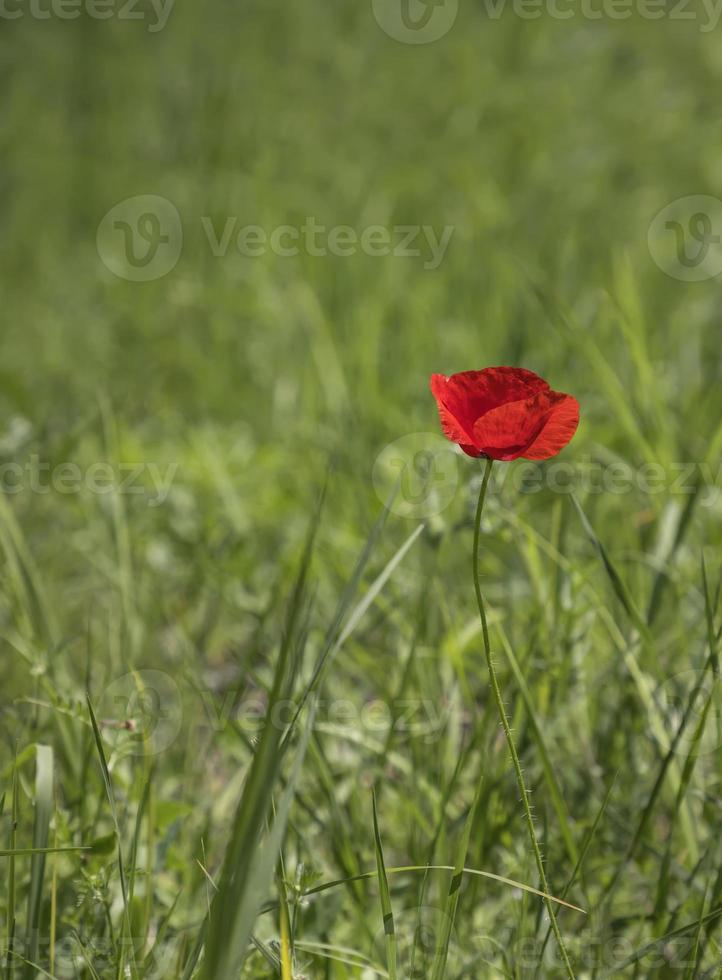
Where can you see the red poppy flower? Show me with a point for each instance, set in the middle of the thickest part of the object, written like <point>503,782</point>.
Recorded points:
<point>504,413</point>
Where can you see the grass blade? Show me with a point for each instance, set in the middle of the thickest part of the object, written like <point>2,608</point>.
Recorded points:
<point>661,578</point>
<point>385,897</point>
<point>260,872</point>
<point>114,816</point>
<point>560,807</point>
<point>618,586</point>
<point>582,856</point>
<point>41,830</point>
<point>247,871</point>
<point>285,929</point>
<point>336,636</point>
<point>452,900</point>
<point>694,965</point>
<point>423,868</point>
<point>14,813</point>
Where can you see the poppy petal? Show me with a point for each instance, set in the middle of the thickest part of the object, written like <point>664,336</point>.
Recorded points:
<point>471,393</point>
<point>559,428</point>
<point>452,426</point>
<point>507,431</point>
<point>464,397</point>
<point>504,413</point>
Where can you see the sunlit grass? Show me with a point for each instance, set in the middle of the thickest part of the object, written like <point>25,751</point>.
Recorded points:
<point>201,699</point>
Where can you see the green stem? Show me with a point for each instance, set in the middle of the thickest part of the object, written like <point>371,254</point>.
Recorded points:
<point>496,690</point>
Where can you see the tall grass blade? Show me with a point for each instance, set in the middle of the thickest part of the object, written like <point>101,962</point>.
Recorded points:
<point>387,914</point>
<point>41,831</point>
<point>560,807</point>
<point>107,782</point>
<point>617,583</point>
<point>578,867</point>
<point>337,636</point>
<point>661,578</point>
<point>424,868</point>
<point>247,870</point>
<point>286,938</point>
<point>14,813</point>
<point>452,899</point>
<point>25,576</point>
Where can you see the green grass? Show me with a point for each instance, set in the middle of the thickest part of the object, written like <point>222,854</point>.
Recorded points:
<point>182,826</point>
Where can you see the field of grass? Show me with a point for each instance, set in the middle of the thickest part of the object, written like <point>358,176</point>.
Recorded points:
<point>246,726</point>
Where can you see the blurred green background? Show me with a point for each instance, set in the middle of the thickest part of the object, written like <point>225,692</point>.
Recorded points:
<point>548,146</point>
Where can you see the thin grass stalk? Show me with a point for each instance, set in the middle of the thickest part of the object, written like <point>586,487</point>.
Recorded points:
<point>496,690</point>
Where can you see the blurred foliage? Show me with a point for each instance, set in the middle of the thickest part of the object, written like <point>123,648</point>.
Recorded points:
<point>549,146</point>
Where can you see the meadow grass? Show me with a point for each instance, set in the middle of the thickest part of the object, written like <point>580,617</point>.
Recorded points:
<point>246,722</point>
